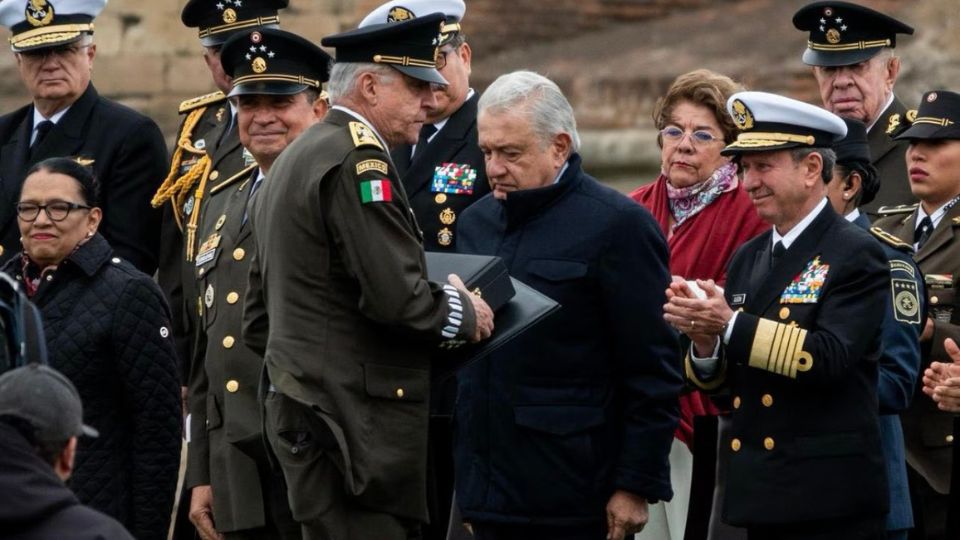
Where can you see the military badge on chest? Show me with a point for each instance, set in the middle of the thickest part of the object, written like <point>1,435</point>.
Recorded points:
<point>208,249</point>
<point>806,287</point>
<point>454,178</point>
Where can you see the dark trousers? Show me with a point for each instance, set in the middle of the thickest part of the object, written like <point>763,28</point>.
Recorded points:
<point>502,531</point>
<point>280,523</point>
<point>304,450</point>
<point>834,529</point>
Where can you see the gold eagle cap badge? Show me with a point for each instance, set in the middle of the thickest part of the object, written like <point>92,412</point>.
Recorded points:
<point>742,116</point>
<point>400,14</point>
<point>39,12</point>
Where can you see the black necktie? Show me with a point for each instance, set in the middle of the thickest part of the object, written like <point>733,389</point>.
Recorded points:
<point>777,253</point>
<point>426,132</point>
<point>43,128</point>
<point>922,234</point>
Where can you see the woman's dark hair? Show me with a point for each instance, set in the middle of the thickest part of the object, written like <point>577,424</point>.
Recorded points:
<point>869,179</point>
<point>83,174</point>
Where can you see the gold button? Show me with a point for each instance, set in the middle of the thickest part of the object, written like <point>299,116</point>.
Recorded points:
<point>949,438</point>
<point>768,443</point>
<point>232,386</point>
<point>767,400</point>
<point>1,247</point>
<point>200,272</point>
<point>214,175</point>
<point>400,393</point>
<point>736,402</point>
<point>784,312</point>
<point>934,300</point>
<point>228,342</point>
<point>232,297</point>
<point>735,445</point>
<point>238,254</point>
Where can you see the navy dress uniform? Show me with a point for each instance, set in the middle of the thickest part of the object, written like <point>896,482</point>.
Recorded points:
<point>340,307</point>
<point>800,356</point>
<point>845,34</point>
<point>226,448</point>
<point>125,148</point>
<point>928,431</point>
<point>207,151</point>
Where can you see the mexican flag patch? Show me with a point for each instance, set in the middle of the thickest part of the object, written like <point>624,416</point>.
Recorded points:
<point>376,191</point>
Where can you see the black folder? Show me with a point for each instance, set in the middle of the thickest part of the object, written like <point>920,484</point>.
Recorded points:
<point>525,308</point>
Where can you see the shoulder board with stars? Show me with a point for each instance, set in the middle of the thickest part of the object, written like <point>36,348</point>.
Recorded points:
<point>899,209</point>
<point>245,172</point>
<point>363,135</point>
<point>202,101</point>
<point>891,240</point>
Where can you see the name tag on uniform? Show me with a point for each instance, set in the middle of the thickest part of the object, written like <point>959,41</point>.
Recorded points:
<point>454,178</point>
<point>806,287</point>
<point>738,299</point>
<point>208,249</point>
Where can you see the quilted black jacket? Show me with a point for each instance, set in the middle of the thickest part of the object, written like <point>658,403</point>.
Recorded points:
<point>107,329</point>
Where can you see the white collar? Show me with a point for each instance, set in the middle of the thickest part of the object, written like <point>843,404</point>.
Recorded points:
<point>439,125</point>
<point>885,107</point>
<point>852,216</point>
<point>937,216</point>
<point>798,229</point>
<point>37,117</point>
<point>566,165</point>
<point>366,122</point>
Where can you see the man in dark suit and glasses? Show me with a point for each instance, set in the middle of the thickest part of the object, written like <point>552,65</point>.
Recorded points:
<point>54,49</point>
<point>800,354</point>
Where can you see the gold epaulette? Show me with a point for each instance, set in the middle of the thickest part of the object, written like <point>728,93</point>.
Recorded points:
<point>363,135</point>
<point>890,239</point>
<point>233,179</point>
<point>899,209</point>
<point>201,101</point>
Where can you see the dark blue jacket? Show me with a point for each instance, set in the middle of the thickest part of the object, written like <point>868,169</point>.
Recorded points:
<point>585,403</point>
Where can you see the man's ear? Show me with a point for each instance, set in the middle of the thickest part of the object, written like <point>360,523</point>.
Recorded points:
<point>466,55</point>
<point>561,147</point>
<point>369,88</point>
<point>321,106</point>
<point>813,169</point>
<point>892,72</point>
<point>64,464</point>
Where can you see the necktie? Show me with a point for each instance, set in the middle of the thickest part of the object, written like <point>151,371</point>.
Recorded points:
<point>43,128</point>
<point>777,253</point>
<point>426,132</point>
<point>253,190</point>
<point>922,234</point>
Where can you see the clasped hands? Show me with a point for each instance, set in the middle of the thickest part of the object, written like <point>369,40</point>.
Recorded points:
<point>941,381</point>
<point>703,319</point>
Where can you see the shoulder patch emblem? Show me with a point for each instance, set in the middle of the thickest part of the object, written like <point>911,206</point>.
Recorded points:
<point>201,101</point>
<point>373,191</point>
<point>890,239</point>
<point>363,135</point>
<point>372,165</point>
<point>906,303</point>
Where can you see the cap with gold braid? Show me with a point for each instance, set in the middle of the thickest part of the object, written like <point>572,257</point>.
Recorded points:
<point>938,117</point>
<point>770,122</point>
<point>404,10</point>
<point>220,19</point>
<point>410,47</point>
<point>37,24</point>
<point>842,34</point>
<point>272,61</point>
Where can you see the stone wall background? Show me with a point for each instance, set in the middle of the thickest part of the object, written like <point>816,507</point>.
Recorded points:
<point>613,58</point>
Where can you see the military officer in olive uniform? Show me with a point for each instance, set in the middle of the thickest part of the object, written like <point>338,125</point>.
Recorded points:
<point>249,499</point>
<point>933,228</point>
<point>339,302</point>
<point>851,49</point>
<point>206,150</point>
<point>443,172</point>
<point>800,355</point>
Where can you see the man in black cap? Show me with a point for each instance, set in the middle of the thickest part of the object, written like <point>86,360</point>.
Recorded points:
<point>52,41</point>
<point>851,49</point>
<point>40,421</point>
<point>339,303</point>
<point>277,79</point>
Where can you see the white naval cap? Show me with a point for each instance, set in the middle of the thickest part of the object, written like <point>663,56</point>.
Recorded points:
<point>37,24</point>
<point>404,10</point>
<point>771,122</point>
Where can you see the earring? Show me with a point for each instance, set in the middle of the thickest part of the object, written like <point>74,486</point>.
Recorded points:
<point>90,234</point>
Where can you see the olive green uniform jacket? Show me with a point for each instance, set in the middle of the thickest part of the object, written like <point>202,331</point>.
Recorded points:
<point>889,158</point>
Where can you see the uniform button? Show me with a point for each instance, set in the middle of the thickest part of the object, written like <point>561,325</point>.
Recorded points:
<point>232,297</point>
<point>768,443</point>
<point>949,438</point>
<point>400,393</point>
<point>736,402</point>
<point>238,254</point>
<point>934,300</point>
<point>784,312</point>
<point>200,272</point>
<point>232,386</point>
<point>115,260</point>
<point>228,342</point>
<point>767,400</point>
<point>735,445</point>
<point>214,175</point>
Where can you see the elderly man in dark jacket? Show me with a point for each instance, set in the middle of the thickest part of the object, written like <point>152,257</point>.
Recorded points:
<point>564,432</point>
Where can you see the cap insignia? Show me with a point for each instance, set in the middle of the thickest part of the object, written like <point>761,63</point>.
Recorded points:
<point>259,65</point>
<point>911,115</point>
<point>256,37</point>
<point>828,12</point>
<point>39,12</point>
<point>742,116</point>
<point>256,54</point>
<point>932,97</point>
<point>893,124</point>
<point>400,14</point>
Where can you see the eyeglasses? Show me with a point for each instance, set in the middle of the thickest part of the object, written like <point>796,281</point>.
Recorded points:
<point>58,52</point>
<point>442,58</point>
<point>56,210</point>
<point>673,134</point>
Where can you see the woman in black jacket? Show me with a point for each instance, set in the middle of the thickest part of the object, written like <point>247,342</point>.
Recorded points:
<point>108,330</point>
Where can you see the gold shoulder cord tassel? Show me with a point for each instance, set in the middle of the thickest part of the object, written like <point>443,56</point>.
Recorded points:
<point>177,190</point>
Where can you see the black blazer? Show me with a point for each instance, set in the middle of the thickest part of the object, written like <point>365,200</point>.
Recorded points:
<point>804,442</point>
<point>456,143</point>
<point>129,158</point>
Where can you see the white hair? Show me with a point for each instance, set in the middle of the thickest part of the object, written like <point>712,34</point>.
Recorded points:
<point>344,75</point>
<point>536,96</point>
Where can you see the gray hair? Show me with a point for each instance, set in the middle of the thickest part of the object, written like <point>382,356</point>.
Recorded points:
<point>536,96</point>
<point>827,154</point>
<point>344,75</point>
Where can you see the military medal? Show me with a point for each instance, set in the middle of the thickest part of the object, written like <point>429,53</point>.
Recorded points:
<point>188,206</point>
<point>440,198</point>
<point>454,178</point>
<point>208,249</point>
<point>445,237</point>
<point>447,217</point>
<point>208,296</point>
<point>806,287</point>
<point>220,221</point>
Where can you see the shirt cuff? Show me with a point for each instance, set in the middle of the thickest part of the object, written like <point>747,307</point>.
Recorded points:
<point>705,367</point>
<point>729,331</point>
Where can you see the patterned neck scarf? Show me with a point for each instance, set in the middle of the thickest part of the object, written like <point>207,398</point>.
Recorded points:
<point>686,202</point>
